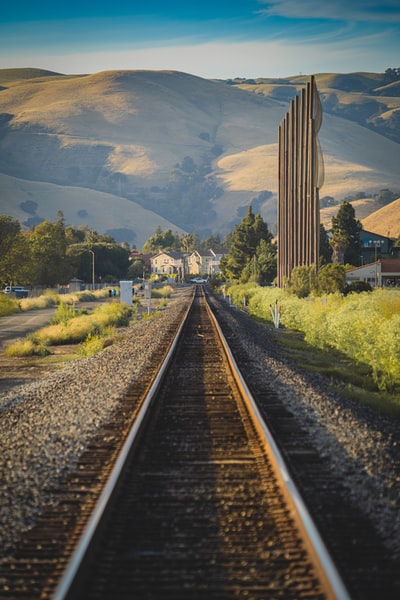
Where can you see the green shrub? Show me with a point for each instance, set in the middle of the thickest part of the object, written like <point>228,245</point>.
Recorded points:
<point>44,301</point>
<point>64,313</point>
<point>75,330</point>
<point>364,326</point>
<point>357,286</point>
<point>8,306</point>
<point>95,343</point>
<point>69,327</point>
<point>163,292</point>
<point>49,298</point>
<point>27,347</point>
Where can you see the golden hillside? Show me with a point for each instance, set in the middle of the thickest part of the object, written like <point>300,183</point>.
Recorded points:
<point>385,221</point>
<point>132,150</point>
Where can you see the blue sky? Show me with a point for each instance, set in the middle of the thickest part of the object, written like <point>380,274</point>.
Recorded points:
<point>213,39</point>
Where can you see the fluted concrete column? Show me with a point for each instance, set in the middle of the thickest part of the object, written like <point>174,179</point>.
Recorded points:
<point>300,177</point>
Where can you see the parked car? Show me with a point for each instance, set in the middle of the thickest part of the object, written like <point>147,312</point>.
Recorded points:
<point>19,290</point>
<point>198,280</point>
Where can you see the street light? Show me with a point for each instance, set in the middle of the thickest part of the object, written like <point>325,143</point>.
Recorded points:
<point>92,253</point>
<point>376,243</point>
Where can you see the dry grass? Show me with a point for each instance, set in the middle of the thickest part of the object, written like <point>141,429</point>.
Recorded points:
<point>141,123</point>
<point>74,331</point>
<point>385,221</point>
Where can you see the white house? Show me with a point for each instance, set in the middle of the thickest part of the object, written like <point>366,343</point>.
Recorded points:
<point>383,272</point>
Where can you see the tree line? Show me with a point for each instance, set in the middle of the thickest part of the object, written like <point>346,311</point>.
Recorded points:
<point>51,254</point>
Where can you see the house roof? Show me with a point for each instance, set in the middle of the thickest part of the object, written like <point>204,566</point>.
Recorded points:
<point>174,255</point>
<point>365,233</point>
<point>390,265</point>
<point>221,251</point>
<point>203,252</point>
<point>210,252</point>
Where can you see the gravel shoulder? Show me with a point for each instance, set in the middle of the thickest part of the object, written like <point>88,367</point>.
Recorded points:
<point>20,371</point>
<point>361,445</point>
<point>46,424</point>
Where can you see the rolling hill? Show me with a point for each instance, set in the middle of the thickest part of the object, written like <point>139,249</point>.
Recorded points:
<point>126,151</point>
<point>385,221</point>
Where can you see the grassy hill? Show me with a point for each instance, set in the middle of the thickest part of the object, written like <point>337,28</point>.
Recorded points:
<point>384,221</point>
<point>370,99</point>
<point>126,151</point>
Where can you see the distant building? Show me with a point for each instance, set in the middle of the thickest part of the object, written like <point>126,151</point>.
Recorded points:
<point>169,263</point>
<point>199,262</point>
<point>384,272</point>
<point>374,246</point>
<point>205,262</point>
<point>145,258</point>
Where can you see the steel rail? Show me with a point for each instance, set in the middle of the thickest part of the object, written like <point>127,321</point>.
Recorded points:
<point>316,547</point>
<point>72,568</point>
<point>304,520</point>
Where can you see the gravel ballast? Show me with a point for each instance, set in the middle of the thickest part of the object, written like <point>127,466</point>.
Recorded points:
<point>361,445</point>
<point>46,426</point>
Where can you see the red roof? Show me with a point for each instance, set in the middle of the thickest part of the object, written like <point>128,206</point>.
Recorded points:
<point>390,265</point>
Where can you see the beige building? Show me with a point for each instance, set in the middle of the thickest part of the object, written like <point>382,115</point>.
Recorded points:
<point>199,262</point>
<point>205,262</point>
<point>169,263</point>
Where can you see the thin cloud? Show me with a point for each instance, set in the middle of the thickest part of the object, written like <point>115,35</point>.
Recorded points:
<point>357,10</point>
<point>219,60</point>
<point>280,38</point>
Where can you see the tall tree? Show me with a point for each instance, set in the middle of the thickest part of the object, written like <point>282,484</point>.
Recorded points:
<point>325,249</point>
<point>262,266</point>
<point>14,259</point>
<point>48,252</point>
<point>242,248</point>
<point>187,242</point>
<point>346,235</point>
<point>251,254</point>
<point>111,261</point>
<point>165,240</point>
<point>212,242</point>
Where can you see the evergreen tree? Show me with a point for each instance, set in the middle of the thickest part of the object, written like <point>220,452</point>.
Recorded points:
<point>187,242</point>
<point>165,240</point>
<point>212,242</point>
<point>346,236</point>
<point>266,254</point>
<point>252,255</point>
<point>331,278</point>
<point>241,250</point>
<point>325,249</point>
<point>262,266</point>
<point>303,281</point>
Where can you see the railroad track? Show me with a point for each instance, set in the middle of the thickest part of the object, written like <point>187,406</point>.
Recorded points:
<point>196,507</point>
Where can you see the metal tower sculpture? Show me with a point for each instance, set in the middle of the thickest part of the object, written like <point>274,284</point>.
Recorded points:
<point>300,177</point>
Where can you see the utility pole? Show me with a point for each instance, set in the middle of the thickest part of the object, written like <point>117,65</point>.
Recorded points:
<point>92,253</point>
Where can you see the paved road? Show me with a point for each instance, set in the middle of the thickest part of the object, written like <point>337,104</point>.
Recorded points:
<point>18,325</point>
<point>22,323</point>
